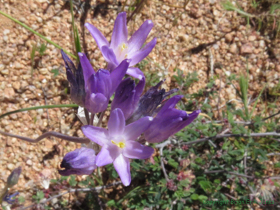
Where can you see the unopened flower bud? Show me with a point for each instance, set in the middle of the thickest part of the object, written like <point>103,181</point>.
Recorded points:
<point>13,178</point>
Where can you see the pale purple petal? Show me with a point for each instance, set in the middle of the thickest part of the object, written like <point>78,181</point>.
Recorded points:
<point>97,35</point>
<point>135,129</point>
<point>139,37</point>
<point>118,73</point>
<point>96,103</point>
<point>96,134</point>
<point>107,155</point>
<point>135,72</point>
<point>141,54</point>
<point>116,123</point>
<point>136,150</point>
<point>119,34</point>
<point>191,117</point>
<point>139,88</point>
<point>102,83</point>
<point>122,166</point>
<point>109,55</point>
<point>87,68</point>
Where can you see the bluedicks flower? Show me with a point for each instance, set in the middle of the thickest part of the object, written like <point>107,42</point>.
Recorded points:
<point>127,96</point>
<point>121,48</point>
<point>168,121</point>
<point>101,85</point>
<point>149,102</point>
<point>80,162</point>
<point>119,143</point>
<point>76,79</point>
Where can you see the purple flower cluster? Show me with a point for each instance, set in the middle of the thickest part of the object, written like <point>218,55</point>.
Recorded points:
<point>150,116</point>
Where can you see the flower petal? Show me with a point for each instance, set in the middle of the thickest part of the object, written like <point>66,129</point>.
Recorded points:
<point>119,34</point>
<point>97,35</point>
<point>96,103</point>
<point>107,155</point>
<point>118,73</point>
<point>87,68</point>
<point>116,123</point>
<point>134,130</point>
<point>136,150</point>
<point>139,37</point>
<point>171,103</point>
<point>122,166</point>
<point>96,134</point>
<point>135,72</point>
<point>141,54</point>
<point>109,56</point>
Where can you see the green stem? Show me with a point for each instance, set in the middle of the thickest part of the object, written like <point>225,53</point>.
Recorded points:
<point>39,107</point>
<point>35,32</point>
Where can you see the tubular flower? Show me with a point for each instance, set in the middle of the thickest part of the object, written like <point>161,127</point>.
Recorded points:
<point>121,48</point>
<point>127,96</point>
<point>101,85</point>
<point>76,80</point>
<point>168,121</point>
<point>149,102</point>
<point>118,143</point>
<point>80,161</point>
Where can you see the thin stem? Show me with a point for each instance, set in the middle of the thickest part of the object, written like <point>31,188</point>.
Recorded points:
<point>39,107</point>
<point>100,118</point>
<point>86,115</point>
<point>74,190</point>
<point>92,119</point>
<point>35,32</point>
<point>48,134</point>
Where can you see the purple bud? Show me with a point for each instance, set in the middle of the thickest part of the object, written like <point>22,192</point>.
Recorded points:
<point>13,177</point>
<point>127,96</point>
<point>80,162</point>
<point>76,80</point>
<point>168,121</point>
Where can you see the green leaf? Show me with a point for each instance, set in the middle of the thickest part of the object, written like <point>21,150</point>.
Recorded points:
<point>173,163</point>
<point>206,186</point>
<point>55,72</point>
<point>40,107</point>
<point>202,198</point>
<point>194,196</point>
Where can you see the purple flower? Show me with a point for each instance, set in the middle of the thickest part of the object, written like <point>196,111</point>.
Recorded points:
<point>150,101</point>
<point>127,96</point>
<point>121,48</point>
<point>80,161</point>
<point>76,80</point>
<point>168,121</point>
<point>101,85</point>
<point>119,143</point>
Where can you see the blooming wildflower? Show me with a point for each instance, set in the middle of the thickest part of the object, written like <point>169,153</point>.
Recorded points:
<point>150,101</point>
<point>76,80</point>
<point>118,143</point>
<point>13,177</point>
<point>101,85</point>
<point>80,161</point>
<point>168,121</point>
<point>121,48</point>
<point>127,96</point>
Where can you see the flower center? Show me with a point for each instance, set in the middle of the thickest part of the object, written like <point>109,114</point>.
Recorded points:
<point>123,47</point>
<point>120,144</point>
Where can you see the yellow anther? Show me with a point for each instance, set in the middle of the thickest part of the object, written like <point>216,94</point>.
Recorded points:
<point>123,47</point>
<point>120,144</point>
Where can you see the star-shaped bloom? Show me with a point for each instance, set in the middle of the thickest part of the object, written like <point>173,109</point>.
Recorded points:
<point>121,48</point>
<point>100,85</point>
<point>169,121</point>
<point>119,143</point>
